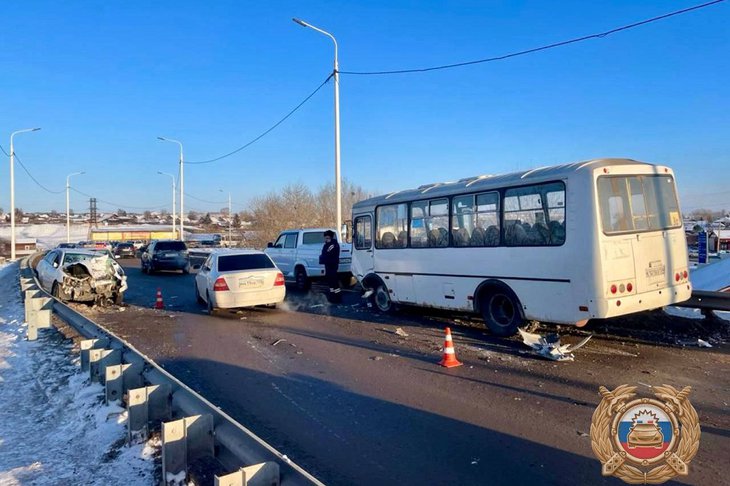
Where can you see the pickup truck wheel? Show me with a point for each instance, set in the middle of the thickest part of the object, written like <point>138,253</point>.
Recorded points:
<point>302,281</point>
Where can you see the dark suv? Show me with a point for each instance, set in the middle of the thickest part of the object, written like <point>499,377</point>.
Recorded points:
<point>124,250</point>
<point>166,255</point>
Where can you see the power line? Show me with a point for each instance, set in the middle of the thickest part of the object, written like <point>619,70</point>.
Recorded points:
<point>7,154</point>
<point>33,178</point>
<point>537,49</point>
<point>122,206</point>
<point>205,200</point>
<point>266,132</point>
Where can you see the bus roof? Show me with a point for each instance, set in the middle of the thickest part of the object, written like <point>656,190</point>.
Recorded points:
<point>486,182</point>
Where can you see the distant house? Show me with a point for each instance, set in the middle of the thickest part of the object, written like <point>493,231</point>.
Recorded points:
<point>23,247</point>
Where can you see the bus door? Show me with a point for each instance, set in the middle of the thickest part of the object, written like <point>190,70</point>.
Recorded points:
<point>363,261</point>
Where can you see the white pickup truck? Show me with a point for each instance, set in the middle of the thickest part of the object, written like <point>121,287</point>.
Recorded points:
<point>296,253</point>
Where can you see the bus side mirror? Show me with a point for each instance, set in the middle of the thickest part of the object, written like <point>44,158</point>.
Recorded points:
<point>269,245</point>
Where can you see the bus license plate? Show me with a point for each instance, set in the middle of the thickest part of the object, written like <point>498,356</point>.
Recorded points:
<point>250,283</point>
<point>655,269</point>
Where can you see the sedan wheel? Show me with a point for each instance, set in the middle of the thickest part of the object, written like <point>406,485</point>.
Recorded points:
<point>211,310</point>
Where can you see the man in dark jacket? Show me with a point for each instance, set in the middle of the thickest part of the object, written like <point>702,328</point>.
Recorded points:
<point>330,258</point>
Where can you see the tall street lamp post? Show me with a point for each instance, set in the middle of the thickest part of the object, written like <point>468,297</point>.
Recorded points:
<point>230,220</point>
<point>182,186</point>
<point>336,76</point>
<point>12,189</point>
<point>174,207</point>
<point>68,205</point>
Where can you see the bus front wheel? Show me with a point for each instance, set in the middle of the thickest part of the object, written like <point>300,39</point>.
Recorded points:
<point>381,298</point>
<point>501,312</point>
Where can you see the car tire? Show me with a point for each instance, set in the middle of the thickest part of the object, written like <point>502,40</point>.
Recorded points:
<point>198,298</point>
<point>303,282</point>
<point>150,269</point>
<point>145,270</point>
<point>56,291</point>
<point>209,303</point>
<point>501,311</point>
<point>381,299</point>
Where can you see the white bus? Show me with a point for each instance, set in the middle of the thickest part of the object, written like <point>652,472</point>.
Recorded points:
<point>560,244</point>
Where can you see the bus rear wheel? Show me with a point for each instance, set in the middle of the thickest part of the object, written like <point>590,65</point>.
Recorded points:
<point>501,312</point>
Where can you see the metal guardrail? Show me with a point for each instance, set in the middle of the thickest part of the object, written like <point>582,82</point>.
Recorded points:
<point>123,369</point>
<point>707,300</point>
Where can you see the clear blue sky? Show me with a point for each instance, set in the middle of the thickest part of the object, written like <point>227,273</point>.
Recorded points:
<point>104,79</point>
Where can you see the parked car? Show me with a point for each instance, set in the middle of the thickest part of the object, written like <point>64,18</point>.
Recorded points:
<point>165,255</point>
<point>238,278</point>
<point>296,253</point>
<point>67,245</point>
<point>124,250</point>
<point>82,276</point>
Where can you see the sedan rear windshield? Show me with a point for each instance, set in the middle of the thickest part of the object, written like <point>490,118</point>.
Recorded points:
<point>232,263</point>
<point>638,203</point>
<point>170,246</point>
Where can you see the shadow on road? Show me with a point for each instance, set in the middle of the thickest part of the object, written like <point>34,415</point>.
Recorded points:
<point>347,438</point>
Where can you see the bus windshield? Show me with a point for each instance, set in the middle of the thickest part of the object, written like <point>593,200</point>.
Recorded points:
<point>638,203</point>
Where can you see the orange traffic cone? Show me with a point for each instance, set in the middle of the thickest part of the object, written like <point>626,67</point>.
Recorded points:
<point>449,360</point>
<point>158,303</point>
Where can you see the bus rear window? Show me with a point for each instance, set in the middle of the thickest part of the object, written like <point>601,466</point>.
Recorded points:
<point>638,203</point>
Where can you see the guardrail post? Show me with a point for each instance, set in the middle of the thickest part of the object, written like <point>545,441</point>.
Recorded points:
<point>38,311</point>
<point>87,345</point>
<point>264,474</point>
<point>119,378</point>
<point>144,405</point>
<point>99,359</point>
<point>184,441</point>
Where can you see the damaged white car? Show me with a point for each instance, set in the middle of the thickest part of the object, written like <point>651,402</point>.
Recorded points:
<point>82,276</point>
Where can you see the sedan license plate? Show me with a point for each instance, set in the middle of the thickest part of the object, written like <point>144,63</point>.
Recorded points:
<point>250,283</point>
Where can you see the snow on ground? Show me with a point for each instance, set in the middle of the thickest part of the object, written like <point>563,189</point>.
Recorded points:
<point>54,426</point>
<point>48,235</point>
<point>714,277</point>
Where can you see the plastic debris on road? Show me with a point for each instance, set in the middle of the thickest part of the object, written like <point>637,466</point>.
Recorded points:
<point>703,344</point>
<point>549,346</point>
<point>368,293</point>
<point>401,332</point>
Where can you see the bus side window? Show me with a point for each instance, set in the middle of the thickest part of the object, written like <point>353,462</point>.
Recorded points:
<point>535,215</point>
<point>391,226</point>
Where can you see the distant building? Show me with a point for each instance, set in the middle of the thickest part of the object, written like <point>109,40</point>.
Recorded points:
<point>23,247</point>
<point>128,233</point>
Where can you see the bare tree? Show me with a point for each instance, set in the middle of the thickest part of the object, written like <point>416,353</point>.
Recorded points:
<point>296,206</point>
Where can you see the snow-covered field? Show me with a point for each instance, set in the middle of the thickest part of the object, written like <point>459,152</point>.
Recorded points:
<point>54,426</point>
<point>48,235</point>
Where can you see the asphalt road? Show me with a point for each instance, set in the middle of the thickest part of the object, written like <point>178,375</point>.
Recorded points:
<point>339,392</point>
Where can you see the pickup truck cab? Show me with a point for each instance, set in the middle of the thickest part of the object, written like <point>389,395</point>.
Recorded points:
<point>296,253</point>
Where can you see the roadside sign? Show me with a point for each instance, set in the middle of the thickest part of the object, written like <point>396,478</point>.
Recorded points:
<point>702,247</point>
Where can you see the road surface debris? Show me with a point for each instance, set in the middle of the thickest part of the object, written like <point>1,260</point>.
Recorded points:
<point>549,346</point>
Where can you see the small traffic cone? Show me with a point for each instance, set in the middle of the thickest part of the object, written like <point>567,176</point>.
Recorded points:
<point>449,360</point>
<point>158,303</point>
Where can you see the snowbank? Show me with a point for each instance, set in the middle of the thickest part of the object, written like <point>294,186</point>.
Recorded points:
<point>54,428</point>
<point>715,276</point>
<point>48,235</point>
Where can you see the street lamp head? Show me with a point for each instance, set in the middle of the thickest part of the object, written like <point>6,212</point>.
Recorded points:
<point>35,129</point>
<point>161,138</point>
<point>300,22</point>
